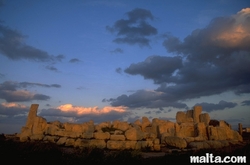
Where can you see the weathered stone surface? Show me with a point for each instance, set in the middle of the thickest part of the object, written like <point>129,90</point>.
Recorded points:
<point>205,118</point>
<point>102,125</point>
<point>70,142</point>
<point>157,147</point>
<point>199,145</point>
<point>175,142</point>
<point>121,125</point>
<point>186,130</point>
<point>130,145</point>
<point>116,145</point>
<point>51,139</point>
<point>145,122</point>
<point>184,117</point>
<point>88,127</point>
<point>87,135</point>
<point>102,135</point>
<point>200,132</point>
<point>137,122</point>
<point>81,143</point>
<point>39,125</point>
<point>97,143</point>
<point>36,137</point>
<point>117,137</point>
<point>168,127</point>
<point>134,134</point>
<point>61,141</point>
<point>196,113</point>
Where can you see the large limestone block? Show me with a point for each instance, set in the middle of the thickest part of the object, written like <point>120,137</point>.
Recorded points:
<point>205,118</point>
<point>201,131</point>
<point>70,142</point>
<point>94,143</point>
<point>116,145</point>
<point>32,115</point>
<point>39,125</point>
<point>81,143</point>
<point>196,113</point>
<point>137,122</point>
<point>199,145</point>
<point>102,135</point>
<point>102,125</point>
<point>134,134</point>
<point>168,127</point>
<point>121,125</point>
<point>25,134</point>
<point>51,139</point>
<point>36,137</point>
<point>175,142</point>
<point>117,137</point>
<point>184,117</point>
<point>77,128</point>
<point>88,127</point>
<point>145,122</point>
<point>180,117</point>
<point>130,145</point>
<point>87,135</point>
<point>212,133</point>
<point>186,130</point>
<point>61,141</point>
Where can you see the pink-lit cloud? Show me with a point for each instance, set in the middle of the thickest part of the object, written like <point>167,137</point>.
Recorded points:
<point>90,110</point>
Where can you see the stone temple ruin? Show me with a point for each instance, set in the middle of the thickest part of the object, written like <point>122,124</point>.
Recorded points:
<point>191,130</point>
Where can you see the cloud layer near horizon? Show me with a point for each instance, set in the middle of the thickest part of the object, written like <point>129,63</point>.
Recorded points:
<point>209,61</point>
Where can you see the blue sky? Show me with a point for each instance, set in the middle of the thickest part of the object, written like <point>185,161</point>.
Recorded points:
<point>120,60</point>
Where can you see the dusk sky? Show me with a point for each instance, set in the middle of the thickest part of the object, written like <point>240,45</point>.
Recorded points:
<point>106,60</point>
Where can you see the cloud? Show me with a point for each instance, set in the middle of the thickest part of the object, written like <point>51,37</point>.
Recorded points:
<point>134,30</point>
<point>208,107</point>
<point>74,60</point>
<point>52,68</point>
<point>158,68</point>
<point>207,62</point>
<point>117,50</point>
<point>13,46</point>
<point>10,91</point>
<point>245,103</point>
<point>118,70</point>
<point>145,98</point>
<point>80,114</point>
<point>13,109</point>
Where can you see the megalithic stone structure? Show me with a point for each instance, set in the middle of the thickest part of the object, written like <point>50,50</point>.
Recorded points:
<point>32,115</point>
<point>191,130</point>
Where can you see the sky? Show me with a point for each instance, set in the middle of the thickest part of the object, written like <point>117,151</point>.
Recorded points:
<point>106,60</point>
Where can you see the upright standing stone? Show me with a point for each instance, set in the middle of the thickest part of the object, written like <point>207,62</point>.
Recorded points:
<point>196,113</point>
<point>32,115</point>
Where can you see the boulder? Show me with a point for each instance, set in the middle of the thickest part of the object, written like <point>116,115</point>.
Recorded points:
<point>117,137</point>
<point>102,135</point>
<point>175,142</point>
<point>145,122</point>
<point>134,134</point>
<point>115,145</point>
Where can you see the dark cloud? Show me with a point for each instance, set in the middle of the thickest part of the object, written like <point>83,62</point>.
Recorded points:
<point>7,110</point>
<point>134,30</point>
<point>12,91</point>
<point>118,70</point>
<point>13,46</point>
<point>158,68</point>
<point>245,103</point>
<point>117,50</point>
<point>208,107</point>
<point>60,57</point>
<point>74,60</point>
<point>207,62</point>
<point>145,98</point>
<point>52,68</point>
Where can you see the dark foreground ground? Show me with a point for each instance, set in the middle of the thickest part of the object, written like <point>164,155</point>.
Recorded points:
<point>12,151</point>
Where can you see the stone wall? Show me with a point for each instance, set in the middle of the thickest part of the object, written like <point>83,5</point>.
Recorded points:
<point>191,130</point>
